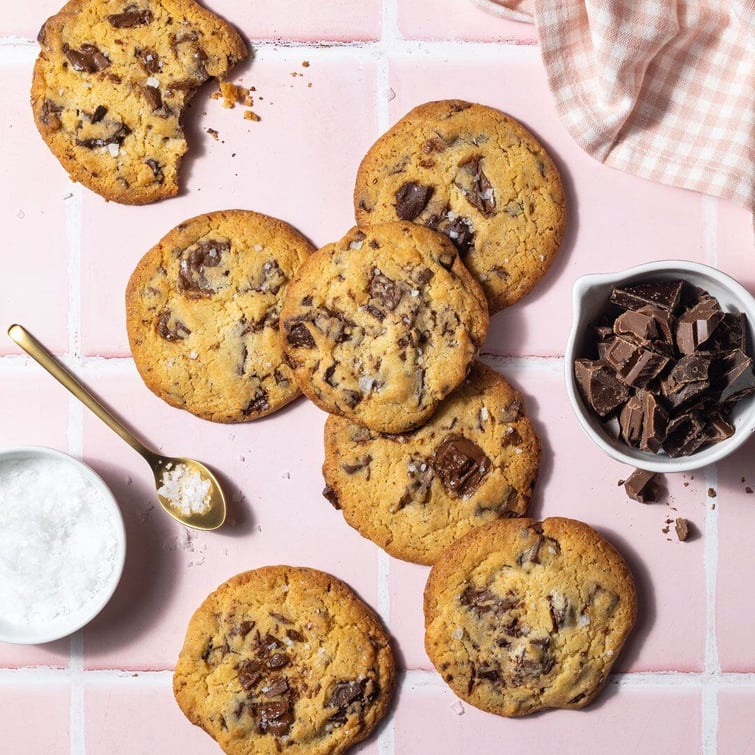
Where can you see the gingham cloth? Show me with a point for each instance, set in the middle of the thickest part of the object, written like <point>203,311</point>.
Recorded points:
<point>664,90</point>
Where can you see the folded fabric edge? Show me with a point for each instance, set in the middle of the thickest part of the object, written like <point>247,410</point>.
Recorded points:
<point>497,9</point>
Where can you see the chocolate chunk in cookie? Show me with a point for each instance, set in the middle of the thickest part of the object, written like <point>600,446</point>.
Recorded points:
<point>111,82</point>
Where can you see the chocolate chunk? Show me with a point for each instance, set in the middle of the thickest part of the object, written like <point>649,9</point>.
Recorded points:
<point>170,328</point>
<point>298,336</point>
<point>259,403</point>
<point>250,673</point>
<point>87,59</point>
<point>630,421</point>
<point>119,131</point>
<point>153,97</point>
<point>663,294</point>
<point>644,368</point>
<point>365,461</point>
<point>641,486</point>
<point>483,601</point>
<point>277,660</point>
<point>475,186</point>
<point>411,199</point>
<point>99,113</point>
<point>351,698</point>
<point>559,607</point>
<point>385,291</point>
<point>729,333</point>
<point>697,324</point>
<point>275,717</point>
<point>654,423</point>
<point>737,379</point>
<point>277,687</point>
<point>599,386</point>
<point>460,231</point>
<point>156,168</point>
<point>460,464</point>
<point>685,434</point>
<point>636,326</point>
<point>331,495</point>
<point>618,352</point>
<point>130,18</point>
<point>149,60</point>
<point>49,114</point>
<point>195,263</point>
<point>682,528</point>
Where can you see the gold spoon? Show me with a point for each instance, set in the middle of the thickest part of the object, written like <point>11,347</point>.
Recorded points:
<point>209,519</point>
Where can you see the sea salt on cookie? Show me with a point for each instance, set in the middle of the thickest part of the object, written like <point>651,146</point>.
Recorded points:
<point>414,494</point>
<point>111,82</point>
<point>202,310</point>
<point>383,324</point>
<point>480,177</point>
<point>285,659</point>
<point>521,615</point>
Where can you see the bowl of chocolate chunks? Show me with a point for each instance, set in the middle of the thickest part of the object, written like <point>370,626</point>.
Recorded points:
<point>659,364</point>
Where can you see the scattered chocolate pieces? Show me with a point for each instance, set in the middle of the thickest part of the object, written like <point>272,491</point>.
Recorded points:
<point>669,364</point>
<point>682,528</point>
<point>642,486</point>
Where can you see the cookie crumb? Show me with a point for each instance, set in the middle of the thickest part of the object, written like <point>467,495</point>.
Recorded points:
<point>682,528</point>
<point>711,493</point>
<point>305,64</point>
<point>250,115</point>
<point>748,489</point>
<point>213,133</point>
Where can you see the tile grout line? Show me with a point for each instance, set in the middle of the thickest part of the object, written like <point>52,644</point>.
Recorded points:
<point>388,34</point>
<point>709,701</point>
<point>73,219</point>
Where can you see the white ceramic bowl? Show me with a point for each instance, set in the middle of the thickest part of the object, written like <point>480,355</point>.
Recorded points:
<point>590,298</point>
<point>37,631</point>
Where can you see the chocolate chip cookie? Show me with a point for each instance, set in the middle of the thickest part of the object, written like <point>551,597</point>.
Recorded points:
<point>202,310</point>
<point>480,177</point>
<point>285,659</point>
<point>521,615</point>
<point>414,494</point>
<point>383,324</point>
<point>111,82</point>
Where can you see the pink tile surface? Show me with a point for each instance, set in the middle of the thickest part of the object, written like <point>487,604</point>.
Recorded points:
<point>736,518</point>
<point>736,725</point>
<point>32,215</point>
<point>459,20</point>
<point>51,702</point>
<point>624,721</point>
<point>68,257</point>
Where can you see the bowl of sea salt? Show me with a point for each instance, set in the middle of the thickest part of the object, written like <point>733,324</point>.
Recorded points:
<point>62,545</point>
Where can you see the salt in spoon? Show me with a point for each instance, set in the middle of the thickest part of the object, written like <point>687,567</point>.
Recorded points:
<point>210,518</point>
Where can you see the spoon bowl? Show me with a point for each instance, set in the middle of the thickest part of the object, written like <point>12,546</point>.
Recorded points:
<point>207,512</point>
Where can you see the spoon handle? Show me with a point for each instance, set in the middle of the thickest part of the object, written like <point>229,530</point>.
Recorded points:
<point>69,381</point>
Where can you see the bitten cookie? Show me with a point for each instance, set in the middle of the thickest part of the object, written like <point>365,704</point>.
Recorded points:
<point>480,177</point>
<point>111,81</point>
<point>414,494</point>
<point>285,659</point>
<point>383,324</point>
<point>202,310</point>
<point>521,616</point>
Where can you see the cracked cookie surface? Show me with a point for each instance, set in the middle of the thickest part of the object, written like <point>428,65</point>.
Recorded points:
<point>202,309</point>
<point>383,324</point>
<point>111,82</point>
<point>480,177</point>
<point>414,494</point>
<point>285,659</point>
<point>521,616</point>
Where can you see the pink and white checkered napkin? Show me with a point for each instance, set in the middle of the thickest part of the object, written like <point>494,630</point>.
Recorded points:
<point>664,89</point>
